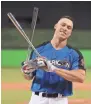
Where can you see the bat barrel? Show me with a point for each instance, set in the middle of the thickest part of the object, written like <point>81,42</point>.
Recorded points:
<point>17,25</point>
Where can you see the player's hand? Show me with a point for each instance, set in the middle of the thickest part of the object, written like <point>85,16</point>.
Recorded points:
<point>31,65</point>
<point>47,64</point>
<point>27,68</point>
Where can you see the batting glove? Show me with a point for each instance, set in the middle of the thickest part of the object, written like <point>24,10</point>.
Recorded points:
<point>47,65</point>
<point>31,65</point>
<point>27,68</point>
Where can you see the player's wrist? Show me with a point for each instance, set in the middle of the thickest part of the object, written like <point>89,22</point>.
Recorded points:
<point>51,67</point>
<point>54,68</point>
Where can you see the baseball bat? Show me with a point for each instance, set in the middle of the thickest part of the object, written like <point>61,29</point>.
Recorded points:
<point>33,25</point>
<point>19,28</point>
<point>34,20</point>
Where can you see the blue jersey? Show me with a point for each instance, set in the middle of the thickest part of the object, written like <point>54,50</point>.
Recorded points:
<point>66,58</point>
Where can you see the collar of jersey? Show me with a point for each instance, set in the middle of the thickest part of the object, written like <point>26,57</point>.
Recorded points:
<point>56,49</point>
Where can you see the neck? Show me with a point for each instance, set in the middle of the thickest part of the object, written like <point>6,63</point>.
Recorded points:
<point>57,43</point>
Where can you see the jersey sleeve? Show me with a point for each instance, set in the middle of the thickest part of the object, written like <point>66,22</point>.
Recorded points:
<point>78,61</point>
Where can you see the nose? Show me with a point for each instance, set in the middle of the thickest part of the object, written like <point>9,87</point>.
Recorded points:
<point>65,28</point>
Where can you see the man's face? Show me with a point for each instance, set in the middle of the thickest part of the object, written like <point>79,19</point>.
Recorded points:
<point>63,28</point>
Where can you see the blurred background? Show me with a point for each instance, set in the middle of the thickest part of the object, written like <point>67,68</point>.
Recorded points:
<point>14,47</point>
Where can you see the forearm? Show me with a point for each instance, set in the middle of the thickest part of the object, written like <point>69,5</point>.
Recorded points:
<point>71,75</point>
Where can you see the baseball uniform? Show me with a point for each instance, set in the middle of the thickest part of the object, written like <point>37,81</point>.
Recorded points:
<point>48,87</point>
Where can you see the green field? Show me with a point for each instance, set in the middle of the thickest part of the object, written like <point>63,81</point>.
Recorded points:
<point>19,96</point>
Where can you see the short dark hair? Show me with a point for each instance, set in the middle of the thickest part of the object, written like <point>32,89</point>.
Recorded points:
<point>68,17</point>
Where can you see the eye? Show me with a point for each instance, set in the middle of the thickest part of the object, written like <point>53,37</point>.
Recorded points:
<point>63,24</point>
<point>69,27</point>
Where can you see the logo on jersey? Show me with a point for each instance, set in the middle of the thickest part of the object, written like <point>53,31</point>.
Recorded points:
<point>61,63</point>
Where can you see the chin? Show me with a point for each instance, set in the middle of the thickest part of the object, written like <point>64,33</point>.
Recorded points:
<point>62,38</point>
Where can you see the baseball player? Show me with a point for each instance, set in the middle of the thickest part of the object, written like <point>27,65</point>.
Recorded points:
<point>59,66</point>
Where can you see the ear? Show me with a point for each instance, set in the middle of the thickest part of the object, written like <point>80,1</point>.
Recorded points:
<point>55,26</point>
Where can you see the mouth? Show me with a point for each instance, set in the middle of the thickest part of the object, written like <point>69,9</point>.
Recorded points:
<point>63,32</point>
